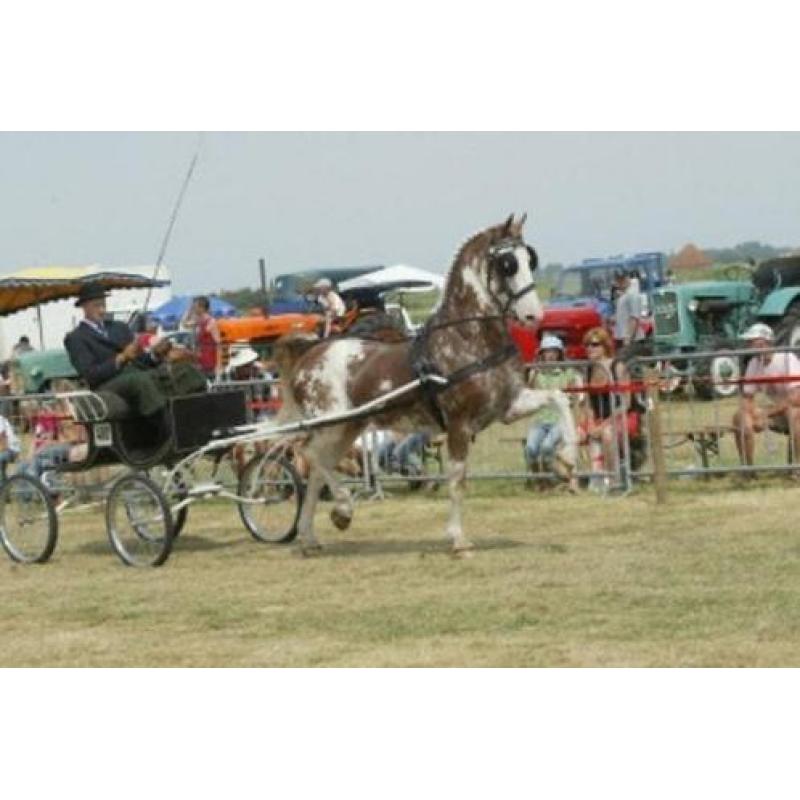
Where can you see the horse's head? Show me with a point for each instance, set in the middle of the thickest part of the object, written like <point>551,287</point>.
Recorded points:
<point>509,275</point>
<point>493,274</point>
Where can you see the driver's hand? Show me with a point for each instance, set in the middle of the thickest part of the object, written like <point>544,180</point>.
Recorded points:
<point>131,350</point>
<point>160,349</point>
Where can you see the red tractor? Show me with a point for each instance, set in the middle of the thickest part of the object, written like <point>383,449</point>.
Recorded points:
<point>569,324</point>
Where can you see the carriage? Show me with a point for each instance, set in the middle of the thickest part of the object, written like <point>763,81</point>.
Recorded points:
<point>147,505</point>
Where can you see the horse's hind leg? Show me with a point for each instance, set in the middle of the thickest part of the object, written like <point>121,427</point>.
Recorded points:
<point>323,451</point>
<point>307,539</point>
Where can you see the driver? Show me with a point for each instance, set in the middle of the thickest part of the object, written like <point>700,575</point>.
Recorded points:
<point>107,357</point>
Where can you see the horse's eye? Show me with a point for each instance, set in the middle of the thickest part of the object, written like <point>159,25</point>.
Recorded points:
<point>532,257</point>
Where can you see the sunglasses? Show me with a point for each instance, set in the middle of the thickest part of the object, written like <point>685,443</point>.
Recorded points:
<point>594,344</point>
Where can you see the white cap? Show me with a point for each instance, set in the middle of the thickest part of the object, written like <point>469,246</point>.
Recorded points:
<point>323,283</point>
<point>242,358</point>
<point>758,331</point>
<point>550,342</point>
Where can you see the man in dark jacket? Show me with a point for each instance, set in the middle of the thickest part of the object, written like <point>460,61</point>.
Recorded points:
<point>107,356</point>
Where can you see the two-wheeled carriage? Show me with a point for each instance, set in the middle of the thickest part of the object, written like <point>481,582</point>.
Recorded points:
<point>147,505</point>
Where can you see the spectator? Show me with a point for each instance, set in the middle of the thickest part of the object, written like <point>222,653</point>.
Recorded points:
<point>782,415</point>
<point>545,434</point>
<point>332,305</point>
<point>207,339</point>
<point>9,445</point>
<point>147,337</point>
<point>628,312</point>
<point>408,455</point>
<point>245,366</point>
<point>608,414</point>
<point>49,444</point>
<point>21,347</point>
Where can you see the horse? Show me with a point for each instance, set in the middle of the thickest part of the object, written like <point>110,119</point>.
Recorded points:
<point>467,370</point>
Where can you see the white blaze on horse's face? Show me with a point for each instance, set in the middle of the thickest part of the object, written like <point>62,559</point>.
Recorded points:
<point>527,308</point>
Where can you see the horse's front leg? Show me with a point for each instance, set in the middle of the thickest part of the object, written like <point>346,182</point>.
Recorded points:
<point>530,400</point>
<point>458,449</point>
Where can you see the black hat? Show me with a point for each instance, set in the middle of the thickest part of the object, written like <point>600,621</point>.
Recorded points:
<point>90,291</point>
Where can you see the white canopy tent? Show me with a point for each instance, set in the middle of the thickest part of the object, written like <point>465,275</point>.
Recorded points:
<point>418,280</point>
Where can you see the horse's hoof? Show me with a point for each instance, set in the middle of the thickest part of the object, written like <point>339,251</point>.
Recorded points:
<point>340,519</point>
<point>463,549</point>
<point>309,550</point>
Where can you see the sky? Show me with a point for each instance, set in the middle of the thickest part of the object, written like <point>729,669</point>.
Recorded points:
<point>303,200</point>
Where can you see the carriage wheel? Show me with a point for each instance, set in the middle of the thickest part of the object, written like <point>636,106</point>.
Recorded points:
<point>139,521</point>
<point>174,493</point>
<point>272,496</point>
<point>28,522</point>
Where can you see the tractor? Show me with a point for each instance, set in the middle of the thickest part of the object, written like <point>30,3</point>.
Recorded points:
<point>710,316</point>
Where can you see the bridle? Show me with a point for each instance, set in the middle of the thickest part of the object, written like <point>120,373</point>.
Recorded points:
<point>503,265</point>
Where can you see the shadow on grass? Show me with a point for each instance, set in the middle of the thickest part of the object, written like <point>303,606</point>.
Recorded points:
<point>183,543</point>
<point>421,547</point>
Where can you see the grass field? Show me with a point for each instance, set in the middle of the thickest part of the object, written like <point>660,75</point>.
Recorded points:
<point>710,579</point>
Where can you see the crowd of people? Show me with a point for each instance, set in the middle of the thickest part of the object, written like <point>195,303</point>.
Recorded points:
<point>146,369</point>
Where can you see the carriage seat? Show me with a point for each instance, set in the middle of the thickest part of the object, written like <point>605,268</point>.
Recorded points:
<point>98,407</point>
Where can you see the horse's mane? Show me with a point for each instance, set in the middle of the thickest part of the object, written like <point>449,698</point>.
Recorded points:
<point>476,243</point>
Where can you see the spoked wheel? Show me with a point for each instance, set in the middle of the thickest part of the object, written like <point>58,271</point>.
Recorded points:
<point>271,495</point>
<point>174,493</point>
<point>139,521</point>
<point>28,522</point>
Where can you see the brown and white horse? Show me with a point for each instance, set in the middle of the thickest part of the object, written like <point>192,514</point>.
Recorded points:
<point>466,341</point>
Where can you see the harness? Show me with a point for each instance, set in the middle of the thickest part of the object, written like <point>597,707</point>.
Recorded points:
<point>503,265</point>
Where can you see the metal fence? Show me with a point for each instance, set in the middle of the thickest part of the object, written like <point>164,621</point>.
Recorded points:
<point>696,436</point>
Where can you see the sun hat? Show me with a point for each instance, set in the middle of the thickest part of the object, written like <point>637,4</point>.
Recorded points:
<point>550,342</point>
<point>243,357</point>
<point>758,331</point>
<point>323,283</point>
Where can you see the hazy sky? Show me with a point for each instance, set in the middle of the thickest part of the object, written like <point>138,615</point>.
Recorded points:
<point>304,200</point>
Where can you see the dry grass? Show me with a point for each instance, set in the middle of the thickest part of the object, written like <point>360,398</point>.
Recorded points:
<point>712,579</point>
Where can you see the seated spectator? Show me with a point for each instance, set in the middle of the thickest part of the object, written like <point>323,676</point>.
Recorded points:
<point>55,439</point>
<point>782,415</point>
<point>9,445</point>
<point>545,434</point>
<point>608,414</point>
<point>409,454</point>
<point>333,306</point>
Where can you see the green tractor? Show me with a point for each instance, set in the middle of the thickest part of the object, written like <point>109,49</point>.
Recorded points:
<point>37,370</point>
<point>710,316</point>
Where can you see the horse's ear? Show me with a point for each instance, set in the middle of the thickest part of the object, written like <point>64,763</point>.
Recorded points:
<point>508,225</point>
<point>516,226</point>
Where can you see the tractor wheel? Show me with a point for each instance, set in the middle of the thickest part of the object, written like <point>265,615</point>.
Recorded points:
<point>671,379</point>
<point>710,376</point>
<point>787,331</point>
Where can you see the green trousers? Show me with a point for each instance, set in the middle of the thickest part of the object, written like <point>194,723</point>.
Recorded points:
<point>146,390</point>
